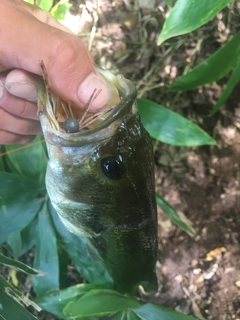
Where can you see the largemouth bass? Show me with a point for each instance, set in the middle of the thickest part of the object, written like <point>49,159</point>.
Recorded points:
<point>100,180</point>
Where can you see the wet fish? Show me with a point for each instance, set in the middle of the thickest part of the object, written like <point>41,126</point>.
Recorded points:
<point>101,182</point>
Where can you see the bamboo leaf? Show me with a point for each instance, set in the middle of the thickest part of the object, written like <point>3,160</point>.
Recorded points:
<point>212,69</point>
<point>55,302</point>
<point>232,82</point>
<point>178,218</point>
<point>17,264</point>
<point>169,127</point>
<point>46,254</point>
<point>188,15</point>
<point>10,299</point>
<point>97,303</point>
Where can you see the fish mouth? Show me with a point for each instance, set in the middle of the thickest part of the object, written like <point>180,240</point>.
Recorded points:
<point>53,113</point>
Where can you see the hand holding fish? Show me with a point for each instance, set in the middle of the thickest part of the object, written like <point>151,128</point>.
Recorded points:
<point>28,35</point>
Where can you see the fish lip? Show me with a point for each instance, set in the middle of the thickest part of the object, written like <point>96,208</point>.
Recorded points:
<point>127,104</point>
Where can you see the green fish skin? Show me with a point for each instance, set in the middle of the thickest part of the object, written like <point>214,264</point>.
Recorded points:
<point>101,183</point>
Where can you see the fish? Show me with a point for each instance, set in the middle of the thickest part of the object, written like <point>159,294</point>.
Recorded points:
<point>100,180</point>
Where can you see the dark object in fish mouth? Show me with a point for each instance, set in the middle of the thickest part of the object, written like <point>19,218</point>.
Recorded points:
<point>101,183</point>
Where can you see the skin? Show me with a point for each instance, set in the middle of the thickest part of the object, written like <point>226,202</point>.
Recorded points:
<point>28,35</point>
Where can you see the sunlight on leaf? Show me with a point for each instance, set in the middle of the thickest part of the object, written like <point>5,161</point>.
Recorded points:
<point>187,16</point>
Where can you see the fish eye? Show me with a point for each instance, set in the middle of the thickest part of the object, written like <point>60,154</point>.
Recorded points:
<point>112,168</point>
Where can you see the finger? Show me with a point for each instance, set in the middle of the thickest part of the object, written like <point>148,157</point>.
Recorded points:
<point>7,137</point>
<point>12,123</point>
<point>18,107</point>
<point>71,73</point>
<point>22,84</point>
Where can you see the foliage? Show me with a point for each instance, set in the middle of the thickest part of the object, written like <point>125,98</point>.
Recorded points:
<point>169,127</point>
<point>58,10</point>
<point>28,220</point>
<point>186,16</point>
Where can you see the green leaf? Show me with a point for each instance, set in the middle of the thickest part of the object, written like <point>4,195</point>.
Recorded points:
<point>15,244</point>
<point>55,302</point>
<point>9,307</point>
<point>188,15</point>
<point>28,236</point>
<point>46,254</point>
<point>232,82</point>
<point>17,264</point>
<point>29,160</point>
<point>60,9</point>
<point>97,303</point>
<point>125,315</point>
<point>169,127</point>
<point>159,313</point>
<point>18,203</point>
<point>45,4</point>
<point>179,219</point>
<point>77,250</point>
<point>2,167</point>
<point>212,69</point>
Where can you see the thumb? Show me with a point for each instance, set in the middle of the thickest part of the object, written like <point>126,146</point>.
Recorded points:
<point>71,73</point>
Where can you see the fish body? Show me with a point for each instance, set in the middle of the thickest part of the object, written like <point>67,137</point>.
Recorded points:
<point>101,183</point>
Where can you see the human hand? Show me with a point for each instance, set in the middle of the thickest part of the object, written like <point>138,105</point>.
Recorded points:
<point>28,35</point>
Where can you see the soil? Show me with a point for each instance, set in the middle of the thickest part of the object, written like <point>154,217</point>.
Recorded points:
<point>200,275</point>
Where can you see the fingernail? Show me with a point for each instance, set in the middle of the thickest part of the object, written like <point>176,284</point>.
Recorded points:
<point>94,83</point>
<point>1,88</point>
<point>25,90</point>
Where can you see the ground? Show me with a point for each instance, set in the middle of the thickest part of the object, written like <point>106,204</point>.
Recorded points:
<point>200,275</point>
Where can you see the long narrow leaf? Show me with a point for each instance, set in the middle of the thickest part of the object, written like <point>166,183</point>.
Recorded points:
<point>46,254</point>
<point>174,215</point>
<point>212,69</point>
<point>188,15</point>
<point>17,264</point>
<point>10,308</point>
<point>97,303</point>
<point>169,127</point>
<point>232,82</point>
<point>55,302</point>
